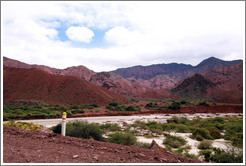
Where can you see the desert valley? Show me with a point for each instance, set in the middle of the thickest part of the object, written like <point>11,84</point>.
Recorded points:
<point>158,113</point>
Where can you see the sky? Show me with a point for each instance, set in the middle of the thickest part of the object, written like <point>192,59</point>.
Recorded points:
<point>104,36</point>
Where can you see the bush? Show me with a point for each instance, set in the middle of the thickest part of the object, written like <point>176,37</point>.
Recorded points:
<point>214,132</point>
<point>176,127</point>
<point>173,141</point>
<point>122,138</point>
<point>81,129</point>
<point>110,127</point>
<point>142,145</point>
<point>203,104</point>
<point>24,125</point>
<point>174,106</point>
<point>232,129</point>
<point>114,104</point>
<point>205,144</point>
<point>141,124</point>
<point>206,154</point>
<point>202,132</point>
<point>149,105</point>
<point>177,120</point>
<point>220,156</point>
<point>154,125</point>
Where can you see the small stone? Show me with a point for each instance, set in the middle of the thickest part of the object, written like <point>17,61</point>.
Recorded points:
<point>75,156</point>
<point>95,157</point>
<point>142,155</point>
<point>103,148</point>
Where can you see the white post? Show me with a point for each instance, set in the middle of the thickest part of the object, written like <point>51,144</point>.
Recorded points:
<point>63,129</point>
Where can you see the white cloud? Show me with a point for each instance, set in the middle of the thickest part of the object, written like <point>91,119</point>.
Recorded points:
<point>122,36</point>
<point>81,34</point>
<point>137,33</point>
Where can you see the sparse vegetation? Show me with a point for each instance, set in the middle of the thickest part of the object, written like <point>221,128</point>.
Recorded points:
<point>173,141</point>
<point>115,107</point>
<point>110,127</point>
<point>123,138</point>
<point>205,144</point>
<point>81,129</point>
<point>24,125</point>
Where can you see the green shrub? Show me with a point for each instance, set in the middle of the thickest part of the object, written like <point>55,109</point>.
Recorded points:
<point>220,156</point>
<point>153,125</point>
<point>148,136</point>
<point>180,128</point>
<point>123,138</point>
<point>141,124</point>
<point>173,141</point>
<point>142,145</point>
<point>198,137</point>
<point>205,144</point>
<point>202,132</point>
<point>206,154</point>
<point>114,104</point>
<point>232,129</point>
<point>157,131</point>
<point>177,120</point>
<point>174,106</point>
<point>149,105</point>
<point>110,127</point>
<point>237,140</point>
<point>214,132</point>
<point>81,129</point>
<point>204,103</point>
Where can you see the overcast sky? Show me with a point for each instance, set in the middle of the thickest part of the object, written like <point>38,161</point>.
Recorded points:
<point>104,36</point>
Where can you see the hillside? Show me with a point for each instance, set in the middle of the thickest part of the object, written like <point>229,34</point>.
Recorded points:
<point>229,84</point>
<point>34,84</point>
<point>21,146</point>
<point>195,86</point>
<point>223,84</point>
<point>78,71</point>
<point>120,85</point>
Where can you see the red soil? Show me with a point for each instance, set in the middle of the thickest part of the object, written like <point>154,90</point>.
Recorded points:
<point>25,146</point>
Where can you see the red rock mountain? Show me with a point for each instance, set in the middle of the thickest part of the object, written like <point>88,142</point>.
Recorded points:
<point>229,83</point>
<point>119,85</point>
<point>78,71</point>
<point>35,84</point>
<point>223,85</point>
<point>167,76</point>
<point>156,81</point>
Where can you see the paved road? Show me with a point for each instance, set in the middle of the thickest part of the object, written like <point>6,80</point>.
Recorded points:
<point>128,119</point>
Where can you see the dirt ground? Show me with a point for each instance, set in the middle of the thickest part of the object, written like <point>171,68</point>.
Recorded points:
<point>25,146</point>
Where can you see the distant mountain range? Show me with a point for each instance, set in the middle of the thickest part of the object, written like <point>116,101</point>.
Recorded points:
<point>212,78</point>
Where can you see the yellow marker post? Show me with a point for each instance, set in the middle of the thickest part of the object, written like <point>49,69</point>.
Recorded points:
<point>63,129</point>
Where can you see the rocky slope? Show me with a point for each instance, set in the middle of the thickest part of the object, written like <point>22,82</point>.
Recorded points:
<point>229,84</point>
<point>195,86</point>
<point>35,84</point>
<point>119,85</point>
<point>223,84</point>
<point>78,71</point>
<point>21,146</point>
